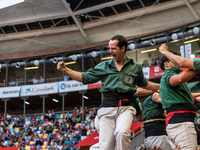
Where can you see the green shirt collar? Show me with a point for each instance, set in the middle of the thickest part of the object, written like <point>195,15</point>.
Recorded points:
<point>177,69</point>
<point>128,59</point>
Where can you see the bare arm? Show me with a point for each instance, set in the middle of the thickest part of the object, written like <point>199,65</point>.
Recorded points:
<point>156,98</point>
<point>195,94</point>
<point>182,77</point>
<point>71,73</point>
<point>143,92</point>
<point>177,60</point>
<point>151,86</point>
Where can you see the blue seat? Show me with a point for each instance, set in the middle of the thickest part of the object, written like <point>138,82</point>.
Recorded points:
<point>11,122</point>
<point>38,117</point>
<point>11,129</point>
<point>57,116</point>
<point>6,142</point>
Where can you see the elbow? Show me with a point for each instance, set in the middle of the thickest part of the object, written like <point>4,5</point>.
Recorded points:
<point>181,62</point>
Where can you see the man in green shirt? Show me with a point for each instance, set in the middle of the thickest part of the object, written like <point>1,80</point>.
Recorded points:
<point>182,62</point>
<point>178,102</point>
<point>154,123</point>
<point>119,78</point>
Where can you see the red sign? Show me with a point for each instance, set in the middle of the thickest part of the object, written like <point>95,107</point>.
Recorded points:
<point>155,72</point>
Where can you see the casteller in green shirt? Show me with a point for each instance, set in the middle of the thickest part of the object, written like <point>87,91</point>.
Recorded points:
<point>173,95</point>
<point>196,63</point>
<point>152,110</point>
<point>113,80</point>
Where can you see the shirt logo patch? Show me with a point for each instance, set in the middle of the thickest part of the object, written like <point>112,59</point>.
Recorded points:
<point>128,79</point>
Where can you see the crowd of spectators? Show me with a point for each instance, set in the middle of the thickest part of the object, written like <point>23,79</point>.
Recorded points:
<point>16,82</point>
<point>48,133</point>
<point>154,62</point>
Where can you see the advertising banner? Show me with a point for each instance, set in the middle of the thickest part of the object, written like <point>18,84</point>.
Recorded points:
<point>9,92</point>
<point>146,72</point>
<point>39,89</point>
<point>155,72</point>
<point>70,86</point>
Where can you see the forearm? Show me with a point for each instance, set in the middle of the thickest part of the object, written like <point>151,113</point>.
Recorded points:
<point>179,60</point>
<point>151,86</point>
<point>183,77</point>
<point>195,94</point>
<point>74,74</point>
<point>143,92</point>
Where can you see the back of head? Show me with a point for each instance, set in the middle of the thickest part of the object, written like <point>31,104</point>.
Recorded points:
<point>121,41</point>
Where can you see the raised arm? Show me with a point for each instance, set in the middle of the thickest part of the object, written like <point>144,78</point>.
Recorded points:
<point>177,60</point>
<point>71,73</point>
<point>182,77</point>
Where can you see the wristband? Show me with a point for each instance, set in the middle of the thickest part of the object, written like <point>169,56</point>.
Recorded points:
<point>195,100</point>
<point>155,91</point>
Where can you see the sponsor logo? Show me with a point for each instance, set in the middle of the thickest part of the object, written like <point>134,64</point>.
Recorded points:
<point>63,86</point>
<point>128,79</point>
<point>35,90</point>
<point>156,69</point>
<point>28,90</point>
<point>10,92</point>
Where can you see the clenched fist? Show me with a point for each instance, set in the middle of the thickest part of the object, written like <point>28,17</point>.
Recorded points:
<point>163,48</point>
<point>61,66</point>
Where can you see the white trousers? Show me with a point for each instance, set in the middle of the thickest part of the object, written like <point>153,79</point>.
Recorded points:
<point>114,127</point>
<point>161,141</point>
<point>183,135</point>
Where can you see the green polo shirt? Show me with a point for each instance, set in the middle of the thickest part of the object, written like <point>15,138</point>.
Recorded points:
<point>196,62</point>
<point>173,95</point>
<point>113,80</point>
<point>197,118</point>
<point>151,109</point>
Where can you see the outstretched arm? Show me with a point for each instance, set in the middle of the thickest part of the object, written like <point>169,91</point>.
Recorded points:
<point>177,60</point>
<point>143,92</point>
<point>182,77</point>
<point>73,74</point>
<point>151,86</point>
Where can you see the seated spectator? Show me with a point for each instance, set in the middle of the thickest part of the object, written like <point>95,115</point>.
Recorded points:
<point>86,111</point>
<point>49,129</point>
<point>84,131</point>
<point>68,114</point>
<point>12,82</point>
<point>28,122</point>
<point>41,80</point>
<point>157,60</point>
<point>16,82</point>
<point>47,115</point>
<point>66,78</point>
<point>60,146</point>
<point>152,62</point>
<point>35,80</point>
<point>92,117</point>
<point>3,84</point>
<point>8,117</point>
<point>52,115</point>
<point>146,63</point>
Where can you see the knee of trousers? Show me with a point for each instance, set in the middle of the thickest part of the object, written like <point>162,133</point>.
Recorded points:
<point>122,134</point>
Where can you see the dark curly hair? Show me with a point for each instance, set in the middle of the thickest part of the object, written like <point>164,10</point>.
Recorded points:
<point>164,59</point>
<point>121,41</point>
